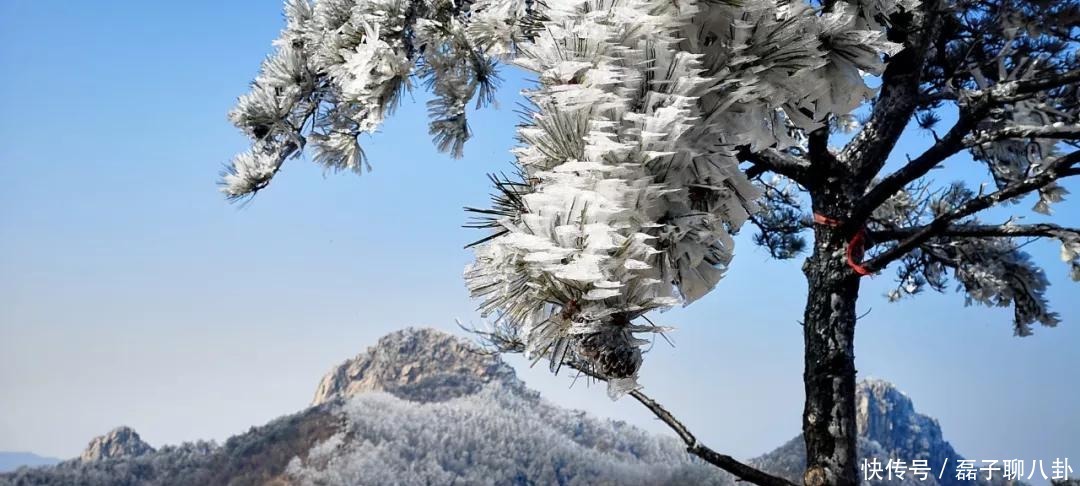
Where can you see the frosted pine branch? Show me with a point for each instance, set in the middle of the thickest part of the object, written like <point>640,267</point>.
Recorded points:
<point>1051,173</point>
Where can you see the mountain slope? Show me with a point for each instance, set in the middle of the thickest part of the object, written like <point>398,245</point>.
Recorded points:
<point>419,407</point>
<point>424,407</point>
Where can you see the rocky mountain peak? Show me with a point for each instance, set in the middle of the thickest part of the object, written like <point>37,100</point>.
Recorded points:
<point>888,427</point>
<point>423,365</point>
<point>119,442</point>
<point>886,416</point>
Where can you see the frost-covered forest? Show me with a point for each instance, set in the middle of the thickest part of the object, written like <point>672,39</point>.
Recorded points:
<point>492,437</point>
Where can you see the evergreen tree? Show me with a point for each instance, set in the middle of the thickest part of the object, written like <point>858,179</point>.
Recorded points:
<point>658,128</point>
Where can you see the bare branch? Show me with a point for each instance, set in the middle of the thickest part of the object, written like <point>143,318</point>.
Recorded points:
<point>506,340</point>
<point>945,147</point>
<point>977,105</point>
<point>900,95</point>
<point>1022,89</point>
<point>1062,131</point>
<point>1056,169</point>
<point>723,461</point>
<point>818,151</point>
<point>772,160</point>
<point>1041,230</point>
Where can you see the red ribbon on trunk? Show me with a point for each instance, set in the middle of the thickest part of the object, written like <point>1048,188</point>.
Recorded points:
<point>855,247</point>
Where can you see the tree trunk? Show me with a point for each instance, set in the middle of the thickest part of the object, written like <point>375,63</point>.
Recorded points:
<point>829,374</point>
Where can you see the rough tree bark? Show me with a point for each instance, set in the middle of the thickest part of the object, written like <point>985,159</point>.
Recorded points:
<point>829,374</point>
<point>829,330</point>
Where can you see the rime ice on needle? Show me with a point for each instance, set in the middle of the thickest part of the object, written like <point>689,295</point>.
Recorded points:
<point>629,187</point>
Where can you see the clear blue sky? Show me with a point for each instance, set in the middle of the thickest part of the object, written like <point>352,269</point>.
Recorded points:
<point>132,293</point>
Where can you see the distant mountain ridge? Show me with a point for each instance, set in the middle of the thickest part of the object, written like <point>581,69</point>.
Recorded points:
<point>10,461</point>
<point>425,407</point>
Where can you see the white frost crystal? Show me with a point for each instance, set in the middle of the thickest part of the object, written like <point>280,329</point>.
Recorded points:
<point>629,187</point>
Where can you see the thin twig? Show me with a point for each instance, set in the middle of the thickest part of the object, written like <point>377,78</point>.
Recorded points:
<point>723,461</point>
<point>1043,230</point>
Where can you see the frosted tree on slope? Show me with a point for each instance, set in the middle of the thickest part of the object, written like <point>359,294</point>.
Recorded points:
<point>660,127</point>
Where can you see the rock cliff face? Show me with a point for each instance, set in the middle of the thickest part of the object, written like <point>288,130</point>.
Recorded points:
<point>421,365</point>
<point>119,442</point>
<point>887,417</point>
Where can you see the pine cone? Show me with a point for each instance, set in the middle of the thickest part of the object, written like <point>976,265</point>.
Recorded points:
<point>611,353</point>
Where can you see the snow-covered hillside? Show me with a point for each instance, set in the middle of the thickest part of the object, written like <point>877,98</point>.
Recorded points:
<point>424,407</point>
